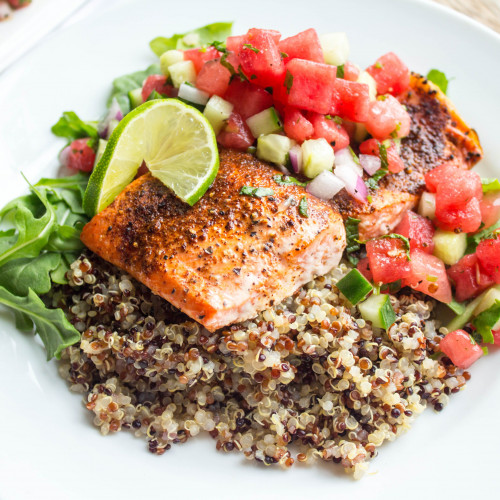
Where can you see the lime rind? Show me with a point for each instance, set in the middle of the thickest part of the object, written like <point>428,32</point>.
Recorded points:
<point>175,140</point>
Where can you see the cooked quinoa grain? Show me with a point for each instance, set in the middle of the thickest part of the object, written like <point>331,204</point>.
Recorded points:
<point>309,371</point>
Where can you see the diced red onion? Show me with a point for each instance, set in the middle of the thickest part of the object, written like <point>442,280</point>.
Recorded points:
<point>370,163</point>
<point>325,185</point>
<point>344,157</point>
<point>63,156</point>
<point>114,113</point>
<point>354,184</point>
<point>295,154</point>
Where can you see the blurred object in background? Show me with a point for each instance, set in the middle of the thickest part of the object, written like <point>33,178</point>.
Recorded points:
<point>485,11</point>
<point>7,6</point>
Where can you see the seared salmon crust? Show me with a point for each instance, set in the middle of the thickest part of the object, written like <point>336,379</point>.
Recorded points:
<point>230,255</point>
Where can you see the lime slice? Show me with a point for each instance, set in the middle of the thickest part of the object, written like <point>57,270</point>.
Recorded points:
<point>175,140</point>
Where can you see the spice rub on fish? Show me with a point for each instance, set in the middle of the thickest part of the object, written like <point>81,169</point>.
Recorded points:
<point>230,255</point>
<point>438,135</point>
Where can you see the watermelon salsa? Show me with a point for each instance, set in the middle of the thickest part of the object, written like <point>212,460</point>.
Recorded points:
<point>298,102</point>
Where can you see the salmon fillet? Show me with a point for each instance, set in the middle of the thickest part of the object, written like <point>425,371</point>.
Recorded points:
<point>438,135</point>
<point>230,255</point>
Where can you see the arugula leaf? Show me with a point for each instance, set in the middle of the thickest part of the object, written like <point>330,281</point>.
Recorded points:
<point>52,326</point>
<point>303,207</point>
<point>486,320</point>
<point>124,84</point>
<point>439,78</point>
<point>71,127</point>
<point>352,237</point>
<point>206,35</point>
<point>33,232</point>
<point>490,185</point>
<point>286,180</point>
<point>19,275</point>
<point>257,192</point>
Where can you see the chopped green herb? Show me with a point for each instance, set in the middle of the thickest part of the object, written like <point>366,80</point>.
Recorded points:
<point>283,55</point>
<point>338,120</point>
<point>242,75</point>
<point>490,185</point>
<point>379,65</point>
<point>404,239</point>
<point>352,237</point>
<point>220,46</point>
<point>340,71</point>
<point>303,207</point>
<point>372,182</point>
<point>473,240</point>
<point>154,95</point>
<point>354,156</point>
<point>227,64</point>
<point>354,286</point>
<point>439,78</point>
<point>485,350</point>
<point>251,47</point>
<point>284,180</point>
<point>257,192</point>
<point>288,81</point>
<point>393,287</point>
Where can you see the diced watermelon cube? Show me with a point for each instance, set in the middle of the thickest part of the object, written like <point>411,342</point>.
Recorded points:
<point>310,85</point>
<point>488,256</point>
<point>200,56</point>
<point>261,59</point>
<point>388,259</point>
<point>428,275</point>
<point>394,162</point>
<point>351,72</point>
<point>466,219</point>
<point>469,278</point>
<point>296,125</point>
<point>81,156</point>
<point>364,268</point>
<point>247,99</point>
<point>236,134</point>
<point>157,83</point>
<point>304,45</point>
<point>213,78</point>
<point>234,43</point>
<point>351,100</point>
<point>434,177</point>
<point>329,129</point>
<point>490,208</point>
<point>387,118</point>
<point>419,231</point>
<point>460,348</point>
<point>391,74</point>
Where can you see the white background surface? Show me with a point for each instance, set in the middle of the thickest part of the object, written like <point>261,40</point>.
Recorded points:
<point>48,447</point>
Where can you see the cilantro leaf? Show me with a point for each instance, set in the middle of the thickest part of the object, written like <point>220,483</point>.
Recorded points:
<point>52,326</point>
<point>288,81</point>
<point>286,180</point>
<point>257,192</point>
<point>205,35</point>
<point>251,47</point>
<point>372,182</point>
<point>439,78</point>
<point>71,127</point>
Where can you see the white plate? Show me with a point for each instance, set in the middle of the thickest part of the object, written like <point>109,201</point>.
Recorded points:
<point>48,447</point>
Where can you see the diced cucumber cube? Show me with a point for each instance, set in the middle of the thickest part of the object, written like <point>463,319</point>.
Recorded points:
<point>101,146</point>
<point>265,122</point>
<point>317,156</point>
<point>449,246</point>
<point>192,94</point>
<point>335,48</point>
<point>365,77</point>
<point>427,205</point>
<point>273,148</point>
<point>354,286</point>
<point>182,72</point>
<point>378,309</point>
<point>217,112</point>
<point>135,98</point>
<point>169,58</point>
<point>488,298</point>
